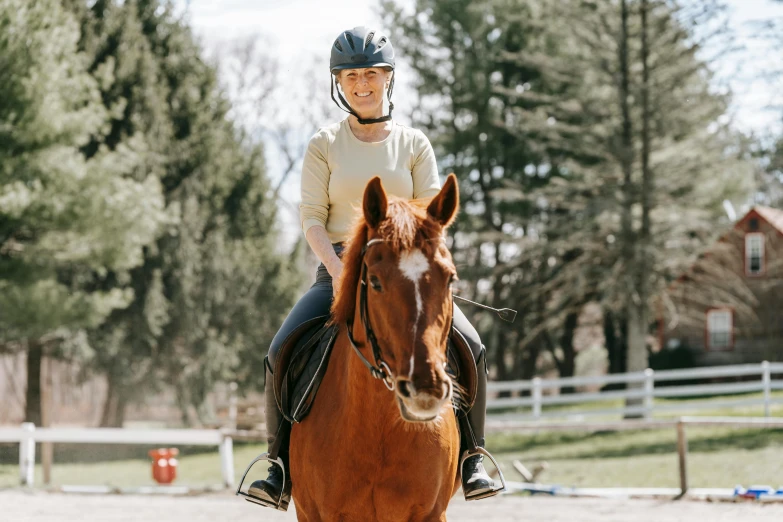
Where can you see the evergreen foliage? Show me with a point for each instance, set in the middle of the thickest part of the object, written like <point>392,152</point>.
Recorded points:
<point>63,216</point>
<point>213,287</point>
<point>137,228</point>
<point>593,154</point>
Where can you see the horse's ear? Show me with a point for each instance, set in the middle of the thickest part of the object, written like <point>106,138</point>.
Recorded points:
<point>443,207</point>
<point>375,203</point>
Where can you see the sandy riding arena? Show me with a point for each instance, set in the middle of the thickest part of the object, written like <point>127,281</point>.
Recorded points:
<point>49,507</point>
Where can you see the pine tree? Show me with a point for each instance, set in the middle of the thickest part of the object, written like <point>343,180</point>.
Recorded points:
<point>593,152</point>
<point>212,288</point>
<point>62,217</point>
<point>508,122</point>
<point>680,159</point>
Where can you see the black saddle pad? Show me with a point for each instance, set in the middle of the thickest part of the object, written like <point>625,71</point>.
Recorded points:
<point>304,358</point>
<point>305,370</point>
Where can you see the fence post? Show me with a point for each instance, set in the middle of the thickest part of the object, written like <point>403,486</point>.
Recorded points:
<point>27,454</point>
<point>536,397</point>
<point>649,387</point>
<point>682,453</point>
<point>766,380</point>
<point>227,461</point>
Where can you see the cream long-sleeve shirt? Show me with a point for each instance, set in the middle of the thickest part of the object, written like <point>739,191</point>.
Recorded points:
<point>338,166</point>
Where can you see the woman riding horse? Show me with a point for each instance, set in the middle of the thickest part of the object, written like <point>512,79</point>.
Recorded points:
<point>339,162</point>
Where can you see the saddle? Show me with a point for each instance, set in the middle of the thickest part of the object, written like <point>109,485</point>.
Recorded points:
<point>301,365</point>
<point>304,356</point>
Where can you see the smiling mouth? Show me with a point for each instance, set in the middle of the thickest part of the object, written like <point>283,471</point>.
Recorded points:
<point>410,417</point>
<point>363,95</point>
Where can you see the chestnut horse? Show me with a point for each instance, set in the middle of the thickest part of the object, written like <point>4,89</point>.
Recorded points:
<point>385,448</point>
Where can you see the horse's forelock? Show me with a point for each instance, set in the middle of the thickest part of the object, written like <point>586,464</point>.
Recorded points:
<point>405,227</point>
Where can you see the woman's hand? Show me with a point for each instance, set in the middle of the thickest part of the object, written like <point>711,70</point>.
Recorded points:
<point>324,250</point>
<point>335,270</point>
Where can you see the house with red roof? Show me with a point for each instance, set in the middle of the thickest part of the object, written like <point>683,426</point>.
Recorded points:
<point>728,307</point>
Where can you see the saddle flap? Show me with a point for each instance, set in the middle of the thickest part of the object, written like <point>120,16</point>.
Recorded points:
<point>463,367</point>
<point>302,334</point>
<point>306,372</point>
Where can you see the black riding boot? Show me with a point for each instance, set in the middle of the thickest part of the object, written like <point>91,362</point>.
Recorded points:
<point>476,483</point>
<point>272,491</point>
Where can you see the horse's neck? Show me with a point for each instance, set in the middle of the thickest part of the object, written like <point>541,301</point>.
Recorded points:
<point>360,390</point>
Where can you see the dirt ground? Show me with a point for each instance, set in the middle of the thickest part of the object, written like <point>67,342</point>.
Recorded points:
<point>37,506</point>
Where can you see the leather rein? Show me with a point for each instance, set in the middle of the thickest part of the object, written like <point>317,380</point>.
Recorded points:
<point>379,370</point>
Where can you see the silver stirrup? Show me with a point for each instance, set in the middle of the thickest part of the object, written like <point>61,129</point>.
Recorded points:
<point>481,451</point>
<point>263,502</point>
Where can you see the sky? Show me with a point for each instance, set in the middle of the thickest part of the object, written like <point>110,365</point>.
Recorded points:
<point>309,26</point>
<point>299,28</point>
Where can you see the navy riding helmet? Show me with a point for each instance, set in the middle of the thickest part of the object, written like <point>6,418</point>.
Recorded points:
<point>360,48</point>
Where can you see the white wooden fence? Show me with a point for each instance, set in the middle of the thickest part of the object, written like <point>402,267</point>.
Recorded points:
<point>640,386</point>
<point>28,434</point>
<point>642,424</point>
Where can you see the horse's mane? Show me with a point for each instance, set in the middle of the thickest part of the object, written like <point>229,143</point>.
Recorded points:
<point>406,225</point>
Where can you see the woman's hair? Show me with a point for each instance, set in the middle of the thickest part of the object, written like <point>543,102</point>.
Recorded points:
<point>339,72</point>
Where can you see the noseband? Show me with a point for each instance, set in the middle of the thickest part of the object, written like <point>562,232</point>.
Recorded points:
<point>379,370</point>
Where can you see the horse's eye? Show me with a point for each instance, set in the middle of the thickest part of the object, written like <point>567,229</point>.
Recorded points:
<point>453,279</point>
<point>375,283</point>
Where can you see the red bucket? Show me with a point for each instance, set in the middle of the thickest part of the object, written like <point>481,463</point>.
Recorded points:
<point>164,464</point>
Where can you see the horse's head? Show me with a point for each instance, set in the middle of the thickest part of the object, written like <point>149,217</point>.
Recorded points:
<point>399,257</point>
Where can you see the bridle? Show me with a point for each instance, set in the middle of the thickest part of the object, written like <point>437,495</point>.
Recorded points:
<point>379,370</point>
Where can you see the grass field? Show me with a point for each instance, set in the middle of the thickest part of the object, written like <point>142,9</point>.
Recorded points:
<point>718,457</point>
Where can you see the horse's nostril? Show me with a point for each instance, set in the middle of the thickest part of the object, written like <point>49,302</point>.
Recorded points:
<point>405,387</point>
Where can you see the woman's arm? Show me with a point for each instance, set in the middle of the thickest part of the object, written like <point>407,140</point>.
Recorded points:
<point>426,182</point>
<point>319,241</point>
<point>314,208</point>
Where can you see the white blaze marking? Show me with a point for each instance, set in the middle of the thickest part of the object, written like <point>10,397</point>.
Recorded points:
<point>413,265</point>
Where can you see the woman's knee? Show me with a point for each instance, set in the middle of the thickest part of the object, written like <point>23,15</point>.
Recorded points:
<point>469,332</point>
<point>314,303</point>
<point>476,348</point>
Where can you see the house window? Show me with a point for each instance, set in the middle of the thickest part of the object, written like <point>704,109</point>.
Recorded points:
<point>719,329</point>
<point>754,254</point>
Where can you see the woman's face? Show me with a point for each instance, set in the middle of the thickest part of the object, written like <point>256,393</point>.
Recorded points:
<point>364,89</point>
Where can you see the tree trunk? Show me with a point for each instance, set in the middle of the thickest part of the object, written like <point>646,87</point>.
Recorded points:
<point>638,313</point>
<point>498,351</point>
<point>631,247</point>
<point>113,415</point>
<point>568,363</point>
<point>638,310</point>
<point>526,358</point>
<point>32,411</point>
<point>529,363</point>
<point>526,364</point>
<point>647,174</point>
<point>615,335</point>
<point>637,338</point>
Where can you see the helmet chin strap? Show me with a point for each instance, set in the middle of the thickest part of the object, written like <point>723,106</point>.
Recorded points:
<point>350,110</point>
